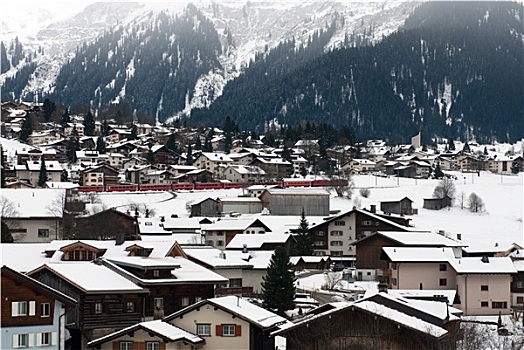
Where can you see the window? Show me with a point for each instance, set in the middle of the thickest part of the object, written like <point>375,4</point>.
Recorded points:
<point>394,281</point>
<point>484,304</point>
<point>340,223</point>
<point>43,232</point>
<point>228,330</point>
<point>484,288</point>
<point>235,282</point>
<point>156,273</point>
<point>20,340</point>
<point>126,345</point>
<point>185,301</point>
<point>197,299</point>
<point>318,243</point>
<point>366,223</point>
<point>204,329</point>
<point>220,243</point>
<point>520,300</point>
<point>98,308</point>
<point>158,303</point>
<point>336,233</point>
<point>43,339</point>
<point>336,253</point>
<point>45,310</point>
<point>152,345</point>
<point>19,308</point>
<point>336,243</point>
<point>443,282</point>
<point>321,233</point>
<point>499,304</point>
<point>443,267</point>
<point>130,306</point>
<point>520,284</point>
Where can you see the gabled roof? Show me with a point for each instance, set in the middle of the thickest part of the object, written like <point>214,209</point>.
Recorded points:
<point>216,259</point>
<point>365,212</point>
<point>238,307</point>
<point>38,286</point>
<point>257,240</point>
<point>159,328</point>
<point>234,225</point>
<point>423,238</point>
<point>90,277</point>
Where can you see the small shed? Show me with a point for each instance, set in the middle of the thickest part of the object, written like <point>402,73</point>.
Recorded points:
<point>401,207</point>
<point>292,201</point>
<point>206,207</point>
<point>437,203</point>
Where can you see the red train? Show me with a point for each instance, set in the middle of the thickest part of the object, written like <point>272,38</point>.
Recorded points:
<point>188,186</point>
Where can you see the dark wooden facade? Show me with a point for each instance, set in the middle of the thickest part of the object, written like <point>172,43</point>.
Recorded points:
<point>437,203</point>
<point>107,224</point>
<point>17,287</point>
<point>369,251</point>
<point>401,207</point>
<point>115,312</point>
<point>208,207</point>
<point>354,328</point>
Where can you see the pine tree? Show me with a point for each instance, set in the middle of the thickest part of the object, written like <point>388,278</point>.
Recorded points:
<point>101,145</point>
<point>171,143</point>
<point>49,109</point>
<point>2,170</point>
<point>438,172</point>
<point>189,155</point>
<point>89,124</point>
<point>134,134</point>
<point>303,239</point>
<point>66,118</point>
<point>63,176</point>
<point>150,157</point>
<point>42,175</point>
<point>73,145</point>
<point>278,286</point>
<point>27,129</point>
<point>6,233</point>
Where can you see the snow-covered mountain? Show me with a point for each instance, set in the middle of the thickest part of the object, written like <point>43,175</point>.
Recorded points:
<point>49,38</point>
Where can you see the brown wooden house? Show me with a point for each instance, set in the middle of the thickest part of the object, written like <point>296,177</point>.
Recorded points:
<point>376,322</point>
<point>173,281</point>
<point>106,300</point>
<point>401,207</point>
<point>107,224</point>
<point>30,311</point>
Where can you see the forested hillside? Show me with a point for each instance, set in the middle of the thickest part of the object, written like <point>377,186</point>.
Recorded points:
<point>154,66</point>
<point>454,70</point>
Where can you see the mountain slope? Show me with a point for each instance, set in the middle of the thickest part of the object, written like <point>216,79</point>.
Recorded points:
<point>455,71</point>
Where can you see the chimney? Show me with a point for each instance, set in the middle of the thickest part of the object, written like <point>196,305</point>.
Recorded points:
<point>459,236</point>
<point>441,232</point>
<point>222,255</point>
<point>373,208</point>
<point>485,259</point>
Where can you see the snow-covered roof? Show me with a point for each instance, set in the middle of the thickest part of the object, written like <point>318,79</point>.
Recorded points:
<point>279,161</point>
<point>419,254</point>
<point>248,311</point>
<point>297,192</point>
<point>217,157</point>
<point>258,258</point>
<point>483,265</point>
<point>50,165</point>
<point>92,277</point>
<point>424,238</point>
<point>414,294</point>
<point>363,161</point>
<point>401,318</point>
<point>216,259</point>
<point>158,327</point>
<point>228,224</point>
<point>307,258</point>
<point>32,253</point>
<point>255,241</point>
<point>63,185</point>
<point>42,202</point>
<point>239,199</point>
<point>247,169</point>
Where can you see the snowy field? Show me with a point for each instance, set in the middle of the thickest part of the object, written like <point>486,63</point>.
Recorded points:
<point>501,223</point>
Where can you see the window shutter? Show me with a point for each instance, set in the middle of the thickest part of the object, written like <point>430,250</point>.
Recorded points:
<point>54,338</point>
<point>15,341</point>
<point>238,330</point>
<point>116,345</point>
<point>38,339</point>
<point>31,339</point>
<point>14,310</point>
<point>219,330</point>
<point>32,308</point>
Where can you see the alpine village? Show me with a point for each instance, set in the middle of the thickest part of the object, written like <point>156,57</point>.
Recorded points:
<point>265,176</point>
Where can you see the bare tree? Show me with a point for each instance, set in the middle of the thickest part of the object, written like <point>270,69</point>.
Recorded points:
<point>9,215</point>
<point>331,280</point>
<point>343,185</point>
<point>364,192</point>
<point>476,204</point>
<point>461,199</point>
<point>445,187</point>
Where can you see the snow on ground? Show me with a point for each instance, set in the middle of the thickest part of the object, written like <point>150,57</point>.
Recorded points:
<point>501,223</point>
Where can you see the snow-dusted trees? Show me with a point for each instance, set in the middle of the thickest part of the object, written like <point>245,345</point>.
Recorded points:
<point>445,188</point>
<point>476,204</point>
